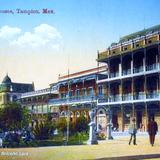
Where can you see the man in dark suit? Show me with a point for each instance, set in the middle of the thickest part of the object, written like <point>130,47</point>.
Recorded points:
<point>152,130</point>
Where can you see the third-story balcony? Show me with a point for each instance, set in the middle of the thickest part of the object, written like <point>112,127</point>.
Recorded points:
<point>126,72</point>
<point>151,67</point>
<point>138,69</point>
<point>114,74</point>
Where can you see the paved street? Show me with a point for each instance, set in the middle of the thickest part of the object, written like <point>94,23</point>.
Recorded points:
<point>114,149</point>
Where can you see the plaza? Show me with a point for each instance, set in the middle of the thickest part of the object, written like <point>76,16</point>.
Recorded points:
<point>107,149</point>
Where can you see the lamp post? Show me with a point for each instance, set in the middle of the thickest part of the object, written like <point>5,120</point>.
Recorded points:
<point>68,112</point>
<point>109,125</point>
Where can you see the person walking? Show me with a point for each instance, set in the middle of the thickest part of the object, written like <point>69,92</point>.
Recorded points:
<point>152,130</point>
<point>133,131</point>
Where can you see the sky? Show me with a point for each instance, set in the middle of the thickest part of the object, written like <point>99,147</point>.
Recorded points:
<point>37,47</point>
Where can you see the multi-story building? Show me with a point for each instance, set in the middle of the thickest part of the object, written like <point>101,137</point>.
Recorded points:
<point>78,93</point>
<point>132,87</point>
<point>11,91</point>
<point>38,103</point>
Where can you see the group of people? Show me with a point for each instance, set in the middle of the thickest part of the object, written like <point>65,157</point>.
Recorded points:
<point>152,129</point>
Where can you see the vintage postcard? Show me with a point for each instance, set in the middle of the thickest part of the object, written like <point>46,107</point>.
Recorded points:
<point>79,79</point>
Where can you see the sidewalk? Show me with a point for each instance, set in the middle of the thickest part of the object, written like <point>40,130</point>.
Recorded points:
<point>117,149</point>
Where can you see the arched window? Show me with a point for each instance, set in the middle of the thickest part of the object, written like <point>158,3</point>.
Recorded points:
<point>84,114</point>
<point>77,114</point>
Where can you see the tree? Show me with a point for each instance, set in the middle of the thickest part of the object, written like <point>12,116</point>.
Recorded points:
<point>61,124</point>
<point>44,129</point>
<point>13,117</point>
<point>81,124</point>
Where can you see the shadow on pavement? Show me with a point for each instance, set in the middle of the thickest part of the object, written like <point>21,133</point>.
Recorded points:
<point>135,157</point>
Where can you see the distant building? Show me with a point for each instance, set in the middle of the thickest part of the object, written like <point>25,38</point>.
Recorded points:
<point>38,103</point>
<point>11,91</point>
<point>132,87</point>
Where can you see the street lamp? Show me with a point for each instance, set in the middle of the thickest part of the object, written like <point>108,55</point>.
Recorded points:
<point>109,125</point>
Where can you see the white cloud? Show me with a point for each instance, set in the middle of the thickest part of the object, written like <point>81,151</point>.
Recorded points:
<point>8,33</point>
<point>43,36</point>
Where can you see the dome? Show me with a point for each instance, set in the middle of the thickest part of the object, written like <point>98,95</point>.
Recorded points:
<point>7,80</point>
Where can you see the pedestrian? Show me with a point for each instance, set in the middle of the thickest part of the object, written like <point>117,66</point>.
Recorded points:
<point>133,131</point>
<point>152,130</point>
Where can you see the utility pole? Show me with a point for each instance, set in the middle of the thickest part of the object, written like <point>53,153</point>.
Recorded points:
<point>68,112</point>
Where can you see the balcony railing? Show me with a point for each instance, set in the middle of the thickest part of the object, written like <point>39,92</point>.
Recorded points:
<point>102,99</point>
<point>126,72</point>
<point>152,67</point>
<point>153,94</point>
<point>114,74</point>
<point>139,96</point>
<point>75,99</point>
<point>115,98</point>
<point>138,70</point>
<point>127,97</point>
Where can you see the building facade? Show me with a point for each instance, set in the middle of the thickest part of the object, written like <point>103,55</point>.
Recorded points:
<point>132,87</point>
<point>11,91</point>
<point>77,93</point>
<point>37,103</point>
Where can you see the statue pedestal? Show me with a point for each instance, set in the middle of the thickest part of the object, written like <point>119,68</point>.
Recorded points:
<point>92,131</point>
<point>109,131</point>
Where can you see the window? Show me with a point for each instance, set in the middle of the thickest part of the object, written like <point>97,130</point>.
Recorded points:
<point>90,91</point>
<point>70,93</point>
<point>137,45</point>
<point>45,109</point>
<point>100,90</point>
<point>83,92</point>
<point>63,95</point>
<point>14,98</point>
<point>77,114</point>
<point>149,41</point>
<point>77,92</point>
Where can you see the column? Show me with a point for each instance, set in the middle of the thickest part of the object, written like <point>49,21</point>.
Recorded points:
<point>146,117</point>
<point>121,119</point>
<point>133,110</point>
<point>132,64</point>
<point>144,60</point>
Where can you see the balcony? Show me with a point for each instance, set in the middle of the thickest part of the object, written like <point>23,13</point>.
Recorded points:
<point>114,74</point>
<point>127,97</point>
<point>152,95</point>
<point>70,100</point>
<point>139,96</point>
<point>115,98</point>
<point>154,66</point>
<point>126,72</point>
<point>102,99</point>
<point>138,70</point>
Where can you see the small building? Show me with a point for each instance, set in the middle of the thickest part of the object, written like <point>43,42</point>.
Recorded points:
<point>38,103</point>
<point>11,91</point>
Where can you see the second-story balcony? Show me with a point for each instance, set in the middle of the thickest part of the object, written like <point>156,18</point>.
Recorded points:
<point>73,100</point>
<point>127,97</point>
<point>139,96</point>
<point>115,98</point>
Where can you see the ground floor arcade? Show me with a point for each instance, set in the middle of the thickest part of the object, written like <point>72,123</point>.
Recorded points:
<point>121,115</point>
